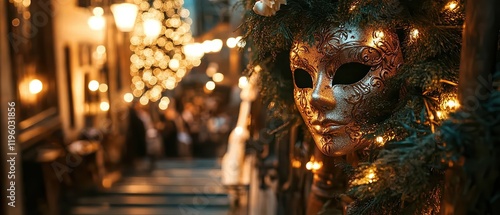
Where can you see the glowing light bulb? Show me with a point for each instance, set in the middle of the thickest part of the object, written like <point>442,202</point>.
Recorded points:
<point>370,176</point>
<point>309,165</point>
<point>257,68</point>
<point>414,33</point>
<point>440,115</point>
<point>380,140</point>
<point>352,7</point>
<point>35,86</point>
<point>452,5</point>
<point>452,104</point>
<point>317,165</point>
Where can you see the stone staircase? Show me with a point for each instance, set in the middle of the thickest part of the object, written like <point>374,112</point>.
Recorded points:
<point>174,187</point>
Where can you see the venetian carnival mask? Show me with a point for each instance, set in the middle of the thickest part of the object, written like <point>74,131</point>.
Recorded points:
<point>341,83</point>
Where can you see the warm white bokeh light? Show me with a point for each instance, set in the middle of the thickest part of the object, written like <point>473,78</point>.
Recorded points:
<point>164,102</point>
<point>452,5</point>
<point>98,11</point>
<point>144,100</point>
<point>231,42</point>
<point>152,28</point>
<point>207,46</point>
<point>210,85</point>
<point>101,49</point>
<point>218,77</point>
<point>128,97</point>
<point>216,45</point>
<point>93,85</point>
<point>103,87</point>
<point>104,106</point>
<point>35,86</point>
<point>242,82</point>
<point>96,23</point>
<point>174,64</point>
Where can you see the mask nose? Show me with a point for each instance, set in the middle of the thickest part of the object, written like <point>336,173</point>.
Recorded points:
<point>322,96</point>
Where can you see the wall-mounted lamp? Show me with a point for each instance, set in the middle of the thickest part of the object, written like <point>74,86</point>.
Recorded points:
<point>125,15</point>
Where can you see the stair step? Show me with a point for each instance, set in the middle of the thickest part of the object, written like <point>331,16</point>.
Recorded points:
<point>148,200</point>
<point>176,210</point>
<point>162,180</point>
<point>179,172</point>
<point>174,187</point>
<point>209,189</point>
<point>202,163</point>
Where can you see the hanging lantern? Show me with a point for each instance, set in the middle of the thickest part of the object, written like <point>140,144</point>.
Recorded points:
<point>125,15</point>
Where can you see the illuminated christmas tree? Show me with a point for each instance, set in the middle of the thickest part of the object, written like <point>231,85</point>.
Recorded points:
<point>159,60</point>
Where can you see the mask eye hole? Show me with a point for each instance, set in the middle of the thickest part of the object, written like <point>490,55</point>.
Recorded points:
<point>350,73</point>
<point>302,79</point>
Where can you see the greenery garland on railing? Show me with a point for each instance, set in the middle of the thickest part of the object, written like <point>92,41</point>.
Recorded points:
<point>404,172</point>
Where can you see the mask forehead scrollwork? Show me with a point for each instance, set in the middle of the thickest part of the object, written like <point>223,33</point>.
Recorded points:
<point>340,83</point>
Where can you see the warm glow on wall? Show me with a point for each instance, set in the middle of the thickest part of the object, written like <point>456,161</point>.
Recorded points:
<point>35,86</point>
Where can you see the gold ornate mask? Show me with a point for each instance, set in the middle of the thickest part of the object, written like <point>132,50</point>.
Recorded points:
<point>341,83</point>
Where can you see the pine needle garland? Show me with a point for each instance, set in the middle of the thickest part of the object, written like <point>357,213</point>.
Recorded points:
<point>405,176</point>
